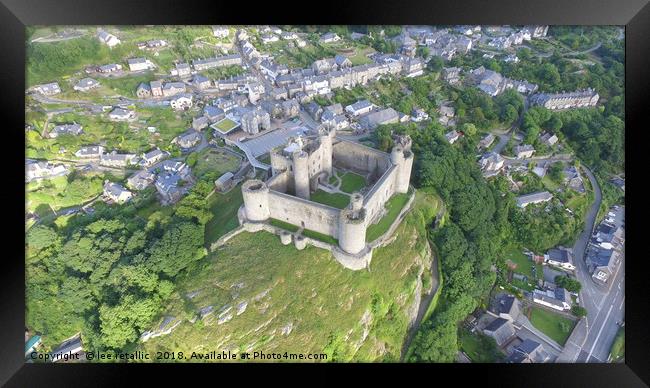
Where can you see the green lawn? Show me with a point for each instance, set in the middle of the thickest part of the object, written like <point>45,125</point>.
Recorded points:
<point>57,193</point>
<point>211,160</point>
<point>306,232</point>
<point>394,206</point>
<point>549,184</point>
<point>224,207</point>
<point>351,182</point>
<point>336,200</point>
<point>523,262</point>
<point>557,327</point>
<point>479,347</point>
<point>226,125</point>
<point>617,353</point>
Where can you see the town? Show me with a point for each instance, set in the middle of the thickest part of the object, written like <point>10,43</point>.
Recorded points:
<point>320,138</point>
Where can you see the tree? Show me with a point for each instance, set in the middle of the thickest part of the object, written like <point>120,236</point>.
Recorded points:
<point>578,311</point>
<point>570,284</point>
<point>435,64</point>
<point>180,245</point>
<point>469,129</point>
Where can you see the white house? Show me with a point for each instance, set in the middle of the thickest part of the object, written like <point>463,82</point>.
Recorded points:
<point>109,39</point>
<point>116,192</point>
<point>182,102</point>
<point>557,299</point>
<point>359,108</point>
<point>139,64</point>
<point>220,31</point>
<point>559,258</point>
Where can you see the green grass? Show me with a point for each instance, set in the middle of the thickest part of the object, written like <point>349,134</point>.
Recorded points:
<point>394,206</point>
<point>214,161</point>
<point>479,347</point>
<point>617,353</point>
<point>523,262</point>
<point>58,193</point>
<point>549,184</point>
<point>306,232</point>
<point>284,225</point>
<point>323,301</point>
<point>551,324</point>
<point>225,125</point>
<point>351,182</point>
<point>336,200</point>
<point>224,207</point>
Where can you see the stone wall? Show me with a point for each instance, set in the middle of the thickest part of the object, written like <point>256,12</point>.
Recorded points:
<point>281,182</point>
<point>381,192</point>
<point>357,157</point>
<point>311,215</point>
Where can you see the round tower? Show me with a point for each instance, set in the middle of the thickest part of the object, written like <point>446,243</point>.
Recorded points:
<point>352,230</point>
<point>301,174</point>
<point>256,200</point>
<point>403,159</point>
<point>326,153</point>
<point>356,201</point>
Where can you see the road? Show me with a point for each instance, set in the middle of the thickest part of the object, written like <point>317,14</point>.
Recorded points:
<point>604,307</point>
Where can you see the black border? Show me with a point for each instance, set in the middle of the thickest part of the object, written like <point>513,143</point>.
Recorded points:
<point>15,14</point>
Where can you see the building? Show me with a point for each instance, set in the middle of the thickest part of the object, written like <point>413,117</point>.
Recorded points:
<point>209,63</point>
<point>173,88</point>
<point>140,64</point>
<point>534,198</point>
<point>573,179</point>
<point>48,89</point>
<point>491,163</point>
<point>110,68</point>
<point>114,159</point>
<point>213,113</point>
<point>38,170</point>
<point>86,84</point>
<point>307,161</point>
<point>90,152</point>
<point>528,351</point>
<point>67,349</point>
<point>119,114</point>
<point>524,151</point>
<point>141,180</point>
<point>451,75</point>
<point>487,141</point>
<point>156,88</point>
<point>65,129</point>
<point>558,299</point>
<point>31,345</point>
<point>188,139</point>
<point>452,136</point>
<point>501,330</point>
<point>506,306</point>
<point>548,138</point>
<point>604,251</point>
<point>329,37</point>
<point>198,123</point>
<point>559,258</point>
<point>579,99</point>
<point>419,115</point>
<point>152,157</point>
<point>181,102</point>
<point>220,31</point>
<point>382,117</point>
<point>255,120</point>
<point>108,39</point>
<point>201,82</point>
<point>116,193</point>
<point>225,182</point>
<point>167,185</point>
<point>359,108</point>
<point>143,90</point>
<point>182,70</point>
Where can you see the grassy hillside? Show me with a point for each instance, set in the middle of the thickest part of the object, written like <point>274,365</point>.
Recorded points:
<point>302,301</point>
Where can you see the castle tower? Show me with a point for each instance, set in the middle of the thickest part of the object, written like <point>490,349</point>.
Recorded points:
<point>326,152</point>
<point>352,226</point>
<point>256,200</point>
<point>403,158</point>
<point>301,174</point>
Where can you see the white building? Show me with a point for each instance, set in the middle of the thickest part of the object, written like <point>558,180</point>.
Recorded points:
<point>182,102</point>
<point>108,39</point>
<point>116,192</point>
<point>220,31</point>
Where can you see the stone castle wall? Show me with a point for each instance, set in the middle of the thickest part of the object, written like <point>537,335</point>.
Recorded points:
<point>311,215</point>
<point>358,157</point>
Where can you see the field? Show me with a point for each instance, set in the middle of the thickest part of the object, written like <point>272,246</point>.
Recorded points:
<point>225,125</point>
<point>617,353</point>
<point>60,192</point>
<point>351,182</point>
<point>557,327</point>
<point>306,232</point>
<point>478,347</point>
<point>300,301</point>
<point>336,200</point>
<point>394,206</point>
<point>224,208</point>
<point>214,161</point>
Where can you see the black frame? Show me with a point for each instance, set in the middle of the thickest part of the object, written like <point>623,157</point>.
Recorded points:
<point>634,14</point>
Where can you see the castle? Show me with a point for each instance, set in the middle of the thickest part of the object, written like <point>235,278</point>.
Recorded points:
<point>305,165</point>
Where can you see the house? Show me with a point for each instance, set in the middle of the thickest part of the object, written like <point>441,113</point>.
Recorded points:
<point>314,110</point>
<point>213,113</point>
<point>524,151</point>
<point>269,38</point>
<point>90,152</point>
<point>329,37</point>
<point>559,258</point>
<point>290,108</point>
<point>65,129</point>
<point>506,306</point>
<point>86,84</point>
<point>287,35</point>
<point>43,169</point>
<point>447,113</point>
<point>152,157</point>
<point>181,102</point>
<point>110,68</point>
<point>155,43</point>
<point>487,141</point>
<point>255,91</point>
<point>167,185</point>
<point>200,122</point>
<point>360,107</point>
<point>67,349</point>
<point>548,138</point>
<point>357,36</point>
<point>108,39</point>
<point>528,351</point>
<point>224,183</point>
<point>139,64</point>
<point>382,117</point>
<point>558,101</point>
<point>116,193</point>
<point>201,82</point>
<point>558,299</point>
<point>501,330</point>
<point>156,88</point>
<point>413,67</point>
<point>342,62</point>
<point>119,114</point>
<point>143,90</point>
<point>279,94</point>
<point>48,89</point>
<point>573,179</point>
<point>173,88</point>
<point>540,170</point>
<point>176,167</point>
<point>226,60</point>
<point>491,163</point>
<point>604,248</point>
<point>220,31</point>
<point>534,198</point>
<point>114,159</point>
<point>254,120</point>
<point>182,70</point>
<point>188,139</point>
<point>452,136</point>
<point>141,180</point>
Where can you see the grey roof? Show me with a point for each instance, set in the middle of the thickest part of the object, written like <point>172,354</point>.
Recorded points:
<point>559,255</point>
<point>87,83</point>
<point>361,104</point>
<point>224,178</point>
<point>534,197</point>
<point>135,61</point>
<point>501,330</point>
<point>381,117</point>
